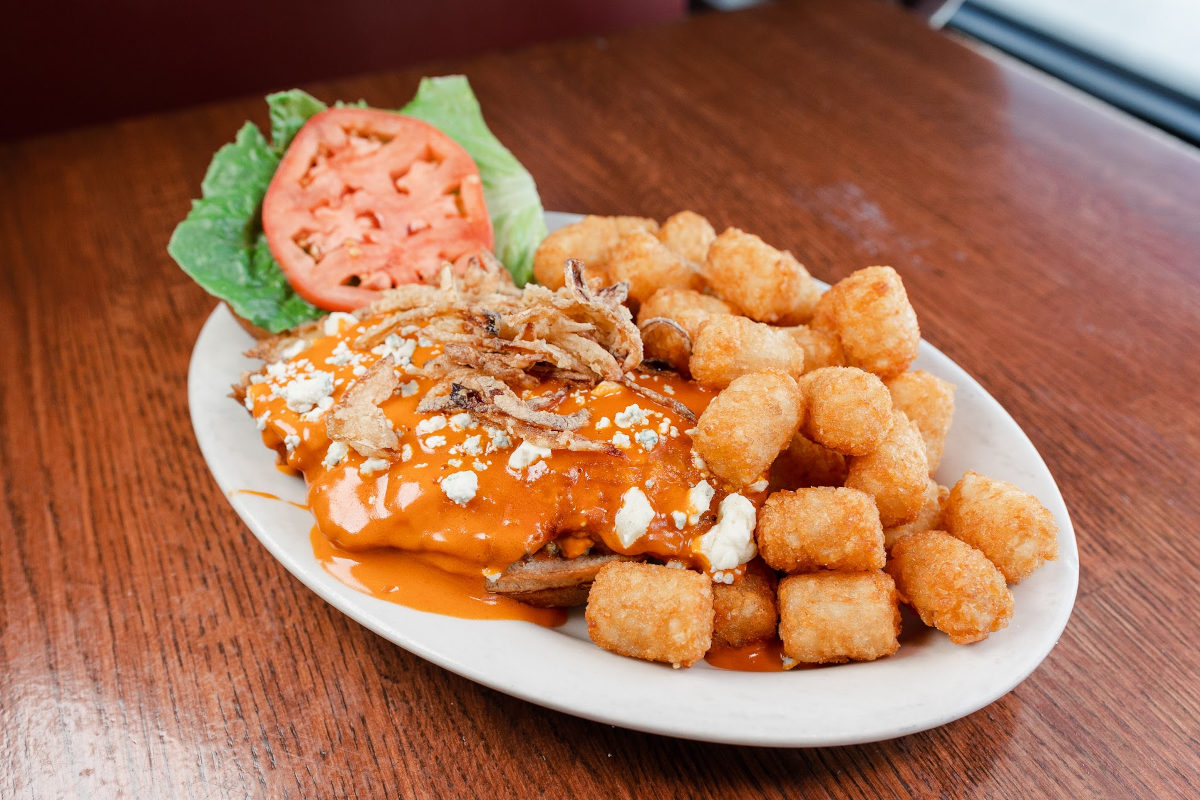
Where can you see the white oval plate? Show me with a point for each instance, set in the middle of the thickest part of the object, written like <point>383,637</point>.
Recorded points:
<point>929,682</point>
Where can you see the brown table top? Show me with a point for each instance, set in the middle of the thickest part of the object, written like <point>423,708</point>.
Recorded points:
<point>150,647</point>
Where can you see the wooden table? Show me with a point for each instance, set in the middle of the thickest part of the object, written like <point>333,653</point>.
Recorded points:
<point>149,647</point>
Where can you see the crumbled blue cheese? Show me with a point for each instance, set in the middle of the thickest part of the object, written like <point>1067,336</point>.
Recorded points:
<point>498,439</point>
<point>462,421</point>
<point>473,445</point>
<point>261,421</point>
<point>525,454</point>
<point>699,500</point>
<point>332,325</point>
<point>434,442</point>
<point>373,465</point>
<point>430,424</point>
<point>679,518</point>
<point>399,348</point>
<point>292,441</point>
<point>647,438</point>
<point>668,389</point>
<point>536,471</point>
<point>424,342</point>
<point>341,355</point>
<point>621,440</point>
<point>603,423</point>
<point>460,487</point>
<point>408,389</point>
<point>406,453</point>
<point>633,517</point>
<point>323,405</point>
<point>730,542</point>
<point>359,370</point>
<point>294,349</point>
<point>302,394</point>
<point>631,416</point>
<point>334,455</point>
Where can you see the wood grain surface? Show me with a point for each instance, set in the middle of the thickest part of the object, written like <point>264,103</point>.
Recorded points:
<point>149,647</point>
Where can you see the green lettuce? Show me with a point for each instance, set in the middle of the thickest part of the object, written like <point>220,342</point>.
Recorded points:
<point>221,243</point>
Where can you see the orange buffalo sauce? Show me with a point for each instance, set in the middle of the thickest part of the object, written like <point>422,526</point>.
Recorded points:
<point>411,580</point>
<point>460,502</point>
<point>765,655</point>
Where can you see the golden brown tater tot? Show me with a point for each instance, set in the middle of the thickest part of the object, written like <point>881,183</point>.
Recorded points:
<point>870,313</point>
<point>765,284</point>
<point>1010,526</point>
<point>951,585</point>
<point>688,234</point>
<point>730,346</point>
<point>648,265</point>
<point>745,610</point>
<point>831,617</point>
<point>821,348</point>
<point>590,240</point>
<point>895,473</point>
<point>927,519</point>
<point>929,402</point>
<point>820,528</point>
<point>805,463</point>
<point>846,409</point>
<point>746,426</point>
<point>652,612</point>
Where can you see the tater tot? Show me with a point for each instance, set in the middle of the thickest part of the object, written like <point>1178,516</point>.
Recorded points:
<point>896,473</point>
<point>831,617</point>
<point>927,519</point>
<point>591,240</point>
<point>805,463</point>
<point>765,284</point>
<point>648,265</point>
<point>687,309</point>
<point>846,409</point>
<point>730,346</point>
<point>929,402</point>
<point>820,528</point>
<point>951,585</point>
<point>870,313</point>
<point>1010,526</point>
<point>746,426</point>
<point>652,612</point>
<point>821,348</point>
<point>745,611</point>
<point>688,234</point>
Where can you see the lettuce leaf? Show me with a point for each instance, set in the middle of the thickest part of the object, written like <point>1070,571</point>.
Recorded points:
<point>512,199</point>
<point>221,244</point>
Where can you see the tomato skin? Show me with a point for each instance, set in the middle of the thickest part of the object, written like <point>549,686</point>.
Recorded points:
<point>364,200</point>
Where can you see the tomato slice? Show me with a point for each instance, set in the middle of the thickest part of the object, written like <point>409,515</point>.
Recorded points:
<point>365,200</point>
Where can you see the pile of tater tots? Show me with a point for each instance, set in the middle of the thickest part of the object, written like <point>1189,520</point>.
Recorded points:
<point>816,398</point>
